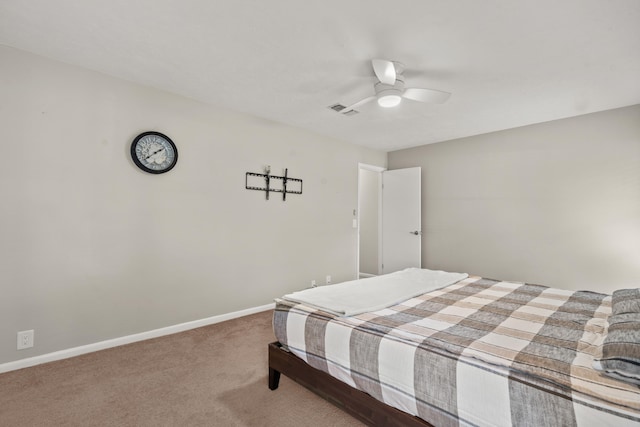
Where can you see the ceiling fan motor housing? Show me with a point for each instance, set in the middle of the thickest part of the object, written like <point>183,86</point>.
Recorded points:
<point>390,95</point>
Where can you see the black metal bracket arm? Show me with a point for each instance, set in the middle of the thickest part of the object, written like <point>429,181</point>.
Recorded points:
<point>273,187</point>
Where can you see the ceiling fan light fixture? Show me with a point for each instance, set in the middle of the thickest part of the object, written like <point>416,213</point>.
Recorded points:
<point>390,89</point>
<point>389,100</point>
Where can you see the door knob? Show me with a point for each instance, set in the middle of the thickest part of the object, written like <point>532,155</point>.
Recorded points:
<point>417,233</point>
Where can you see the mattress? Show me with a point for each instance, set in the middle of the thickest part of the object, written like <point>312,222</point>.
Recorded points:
<point>477,352</point>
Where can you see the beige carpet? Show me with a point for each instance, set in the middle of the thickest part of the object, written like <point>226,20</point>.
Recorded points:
<point>210,376</point>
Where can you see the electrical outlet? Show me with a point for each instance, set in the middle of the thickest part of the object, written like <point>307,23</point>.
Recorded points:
<point>25,339</point>
<point>328,280</point>
<point>313,284</point>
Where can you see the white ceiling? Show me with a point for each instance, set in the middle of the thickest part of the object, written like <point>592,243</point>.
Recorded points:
<point>507,63</point>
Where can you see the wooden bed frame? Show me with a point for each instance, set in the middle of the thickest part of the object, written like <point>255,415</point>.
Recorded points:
<point>355,402</point>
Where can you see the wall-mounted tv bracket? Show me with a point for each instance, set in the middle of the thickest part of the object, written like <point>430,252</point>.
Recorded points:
<point>277,186</point>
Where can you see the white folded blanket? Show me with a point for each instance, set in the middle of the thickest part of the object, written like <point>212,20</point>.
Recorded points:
<point>375,293</point>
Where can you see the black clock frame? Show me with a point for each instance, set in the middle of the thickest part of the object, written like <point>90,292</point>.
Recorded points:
<point>137,161</point>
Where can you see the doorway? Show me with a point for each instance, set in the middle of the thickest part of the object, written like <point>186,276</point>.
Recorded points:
<point>369,220</point>
<point>388,220</point>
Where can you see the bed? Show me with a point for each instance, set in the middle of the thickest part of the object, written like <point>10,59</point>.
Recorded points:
<point>471,351</point>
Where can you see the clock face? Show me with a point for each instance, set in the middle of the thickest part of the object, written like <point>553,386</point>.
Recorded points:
<point>154,152</point>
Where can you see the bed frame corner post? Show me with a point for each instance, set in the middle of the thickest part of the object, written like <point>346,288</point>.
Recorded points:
<point>274,375</point>
<point>274,379</point>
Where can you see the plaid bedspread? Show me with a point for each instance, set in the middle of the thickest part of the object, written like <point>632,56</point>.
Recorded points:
<point>479,352</point>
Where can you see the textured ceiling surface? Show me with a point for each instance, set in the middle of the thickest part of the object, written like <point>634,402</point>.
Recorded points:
<point>507,63</point>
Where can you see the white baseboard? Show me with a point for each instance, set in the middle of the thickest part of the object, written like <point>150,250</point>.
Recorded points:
<point>365,275</point>
<point>102,345</point>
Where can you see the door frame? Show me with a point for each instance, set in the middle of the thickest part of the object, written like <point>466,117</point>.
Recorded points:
<point>378,170</point>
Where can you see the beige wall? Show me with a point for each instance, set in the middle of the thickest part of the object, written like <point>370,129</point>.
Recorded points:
<point>93,248</point>
<point>556,203</point>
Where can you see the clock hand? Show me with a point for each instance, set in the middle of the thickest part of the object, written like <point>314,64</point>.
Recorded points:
<point>153,154</point>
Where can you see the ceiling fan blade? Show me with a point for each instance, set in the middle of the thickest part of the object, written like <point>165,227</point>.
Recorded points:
<point>426,95</point>
<point>357,104</point>
<point>385,71</point>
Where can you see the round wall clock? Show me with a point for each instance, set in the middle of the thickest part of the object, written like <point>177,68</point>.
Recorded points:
<point>154,152</point>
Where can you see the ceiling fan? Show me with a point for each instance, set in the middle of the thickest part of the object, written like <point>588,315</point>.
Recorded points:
<point>390,88</point>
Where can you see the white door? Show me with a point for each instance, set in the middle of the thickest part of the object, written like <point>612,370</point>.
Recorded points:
<point>401,220</point>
